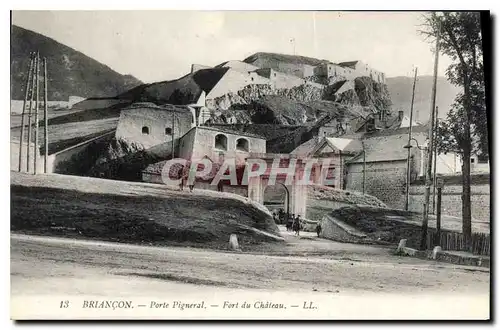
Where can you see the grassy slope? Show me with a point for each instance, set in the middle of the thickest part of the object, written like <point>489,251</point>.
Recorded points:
<point>67,128</point>
<point>322,200</point>
<point>391,225</point>
<point>132,212</point>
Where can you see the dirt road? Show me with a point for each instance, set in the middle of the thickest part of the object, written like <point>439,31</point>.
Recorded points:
<point>59,267</point>
<point>34,259</point>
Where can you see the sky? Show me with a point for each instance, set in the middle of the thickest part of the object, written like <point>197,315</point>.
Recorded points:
<point>162,45</point>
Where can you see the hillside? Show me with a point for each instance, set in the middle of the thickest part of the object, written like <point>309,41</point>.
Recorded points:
<point>70,72</point>
<point>184,90</point>
<point>134,212</point>
<point>400,89</point>
<point>389,225</point>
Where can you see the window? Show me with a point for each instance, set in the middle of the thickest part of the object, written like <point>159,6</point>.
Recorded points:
<point>242,145</point>
<point>145,130</point>
<point>472,160</point>
<point>252,78</point>
<point>221,142</point>
<point>168,131</point>
<point>482,159</point>
<point>275,74</point>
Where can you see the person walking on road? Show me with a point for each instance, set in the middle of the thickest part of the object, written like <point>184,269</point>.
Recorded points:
<point>318,228</point>
<point>296,225</point>
<point>289,222</point>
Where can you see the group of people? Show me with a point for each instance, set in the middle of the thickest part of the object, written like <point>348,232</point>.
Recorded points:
<point>183,183</point>
<point>291,221</point>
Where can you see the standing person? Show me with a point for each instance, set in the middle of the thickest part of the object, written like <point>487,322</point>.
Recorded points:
<point>318,228</point>
<point>180,175</point>
<point>296,225</point>
<point>289,222</point>
<point>220,186</point>
<point>281,216</point>
<point>191,186</point>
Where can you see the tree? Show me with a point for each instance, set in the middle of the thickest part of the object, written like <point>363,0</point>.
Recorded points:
<point>465,129</point>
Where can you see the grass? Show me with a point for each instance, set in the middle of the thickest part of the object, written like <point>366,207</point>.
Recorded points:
<point>64,135</point>
<point>391,225</point>
<point>132,213</point>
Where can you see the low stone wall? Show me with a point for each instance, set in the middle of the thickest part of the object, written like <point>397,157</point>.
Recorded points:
<point>62,161</point>
<point>451,203</point>
<point>335,230</point>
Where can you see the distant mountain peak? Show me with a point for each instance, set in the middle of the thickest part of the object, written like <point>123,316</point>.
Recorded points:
<point>70,72</point>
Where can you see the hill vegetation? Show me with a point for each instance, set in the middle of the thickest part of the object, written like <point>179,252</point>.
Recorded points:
<point>70,72</point>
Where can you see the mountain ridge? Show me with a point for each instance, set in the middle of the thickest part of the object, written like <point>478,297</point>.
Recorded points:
<point>400,89</point>
<point>70,72</point>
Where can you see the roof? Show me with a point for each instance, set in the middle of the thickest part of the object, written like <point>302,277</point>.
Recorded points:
<point>312,146</point>
<point>305,148</point>
<point>206,79</point>
<point>350,64</point>
<point>238,66</point>
<point>388,147</point>
<point>405,122</point>
<point>229,131</point>
<point>346,145</point>
<point>164,107</point>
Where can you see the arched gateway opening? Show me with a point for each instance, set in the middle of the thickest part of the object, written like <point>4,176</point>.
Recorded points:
<point>265,185</point>
<point>277,197</point>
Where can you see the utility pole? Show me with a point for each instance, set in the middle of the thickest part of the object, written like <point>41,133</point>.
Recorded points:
<point>428,172</point>
<point>435,163</point>
<point>30,113</point>
<point>46,121</point>
<point>37,151</point>
<point>364,166</point>
<point>28,87</point>
<point>408,158</point>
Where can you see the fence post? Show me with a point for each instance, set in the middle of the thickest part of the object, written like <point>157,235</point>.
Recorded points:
<point>439,186</point>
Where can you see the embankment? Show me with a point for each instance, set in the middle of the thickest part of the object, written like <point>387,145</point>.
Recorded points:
<point>94,208</point>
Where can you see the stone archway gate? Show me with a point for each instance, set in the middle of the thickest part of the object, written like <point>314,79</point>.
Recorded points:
<point>296,181</point>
